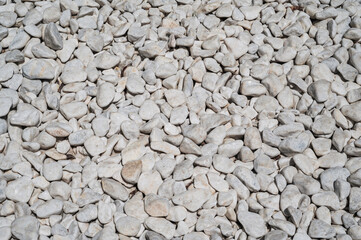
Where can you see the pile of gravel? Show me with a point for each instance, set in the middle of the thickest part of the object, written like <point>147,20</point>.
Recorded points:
<point>180,119</point>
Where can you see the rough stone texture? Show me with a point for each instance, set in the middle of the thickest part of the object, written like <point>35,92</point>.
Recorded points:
<point>193,120</point>
<point>249,220</point>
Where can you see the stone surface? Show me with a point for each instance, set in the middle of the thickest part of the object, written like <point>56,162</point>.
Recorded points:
<point>149,182</point>
<point>74,110</point>
<point>38,69</point>
<point>52,37</point>
<point>20,190</point>
<point>180,119</point>
<point>73,71</point>
<point>115,189</point>
<point>25,227</point>
<point>320,229</point>
<point>105,60</point>
<point>94,145</point>
<point>128,226</point>
<point>160,225</point>
<point>192,199</point>
<point>105,94</point>
<point>51,207</point>
<point>253,224</point>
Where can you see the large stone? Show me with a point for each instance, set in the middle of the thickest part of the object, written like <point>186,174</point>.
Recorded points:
<point>105,60</point>
<point>156,206</point>
<point>79,137</point>
<point>59,190</point>
<point>133,151</point>
<point>6,72</point>
<point>131,171</point>
<point>73,71</point>
<point>164,147</point>
<point>252,223</point>
<point>87,213</point>
<point>321,229</point>
<point>7,18</point>
<point>333,159</point>
<point>148,109</point>
<point>52,37</point>
<point>327,198</point>
<point>49,208</point>
<point>354,200</point>
<point>26,118</point>
<point>153,49</point>
<point>20,190</point>
<point>25,227</point>
<point>161,225</point>
<point>135,84</point>
<point>192,199</point>
<point>134,207</point>
<point>320,90</point>
<point>38,69</point>
<point>95,146</point>
<point>105,94</point>
<point>237,47</point>
<point>128,226</point>
<point>306,184</point>
<point>74,110</point>
<point>115,189</point>
<point>149,182</point>
<point>352,111</point>
<point>59,129</point>
<point>321,72</point>
<point>166,70</point>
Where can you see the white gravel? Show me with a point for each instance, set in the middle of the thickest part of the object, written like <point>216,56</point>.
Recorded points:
<point>180,119</point>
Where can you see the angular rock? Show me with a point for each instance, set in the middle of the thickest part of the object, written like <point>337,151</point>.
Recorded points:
<point>115,189</point>
<point>52,37</point>
<point>73,71</point>
<point>105,60</point>
<point>25,227</point>
<point>49,208</point>
<point>252,223</point>
<point>149,182</point>
<point>38,69</point>
<point>192,199</point>
<point>161,226</point>
<point>74,110</point>
<point>320,229</point>
<point>20,190</point>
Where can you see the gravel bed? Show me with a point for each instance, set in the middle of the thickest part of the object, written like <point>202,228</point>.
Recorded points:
<point>180,119</point>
